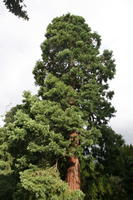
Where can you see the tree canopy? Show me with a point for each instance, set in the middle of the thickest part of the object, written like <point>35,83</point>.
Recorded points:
<point>71,53</point>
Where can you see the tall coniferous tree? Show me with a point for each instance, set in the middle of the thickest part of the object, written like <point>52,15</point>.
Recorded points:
<point>71,58</point>
<point>52,133</point>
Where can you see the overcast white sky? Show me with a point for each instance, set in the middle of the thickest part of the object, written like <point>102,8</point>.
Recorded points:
<point>20,49</point>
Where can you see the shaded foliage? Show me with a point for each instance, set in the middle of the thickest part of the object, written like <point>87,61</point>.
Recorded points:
<point>17,8</point>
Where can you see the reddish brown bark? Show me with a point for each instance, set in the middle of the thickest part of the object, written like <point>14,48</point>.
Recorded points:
<point>73,171</point>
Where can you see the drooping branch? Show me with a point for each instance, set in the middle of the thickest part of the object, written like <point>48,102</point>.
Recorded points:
<point>17,8</point>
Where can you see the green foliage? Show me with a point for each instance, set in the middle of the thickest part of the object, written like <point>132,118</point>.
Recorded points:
<point>33,136</point>
<point>7,186</point>
<point>16,7</point>
<point>111,178</point>
<point>108,152</point>
<point>47,185</point>
<point>71,53</point>
<point>127,163</point>
<point>5,157</point>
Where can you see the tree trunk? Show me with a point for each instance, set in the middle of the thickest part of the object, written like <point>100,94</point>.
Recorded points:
<point>73,171</point>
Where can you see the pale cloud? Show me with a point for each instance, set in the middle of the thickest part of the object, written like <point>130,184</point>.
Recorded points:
<point>20,49</point>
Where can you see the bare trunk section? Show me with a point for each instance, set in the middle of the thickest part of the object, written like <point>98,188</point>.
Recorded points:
<point>73,171</point>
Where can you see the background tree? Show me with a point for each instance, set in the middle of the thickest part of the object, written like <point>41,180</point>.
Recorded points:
<point>112,177</point>
<point>17,8</point>
<point>127,161</point>
<point>106,180</point>
<point>109,150</point>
